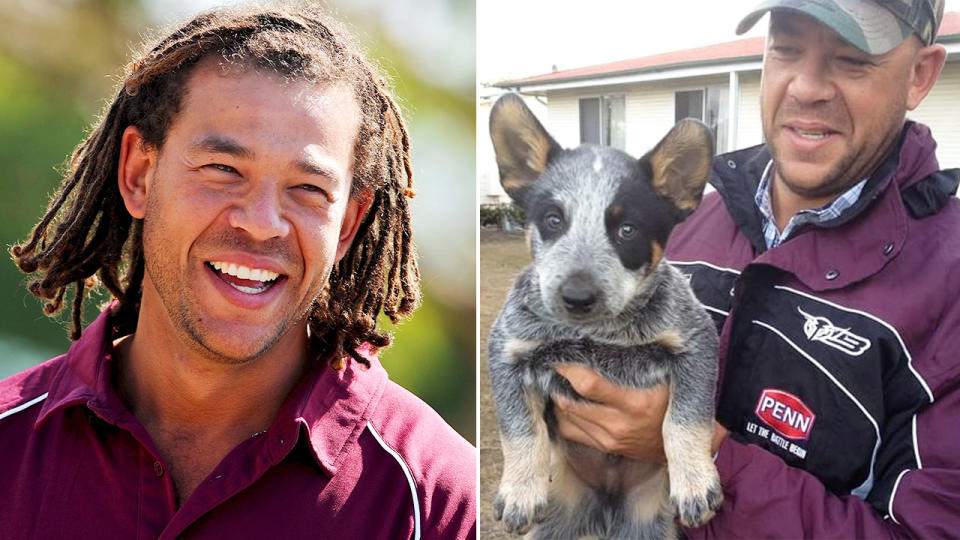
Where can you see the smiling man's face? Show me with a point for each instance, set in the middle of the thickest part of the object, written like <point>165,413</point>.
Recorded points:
<point>246,208</point>
<point>830,111</point>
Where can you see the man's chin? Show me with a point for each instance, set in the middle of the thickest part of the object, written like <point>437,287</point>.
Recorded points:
<point>231,344</point>
<point>811,181</point>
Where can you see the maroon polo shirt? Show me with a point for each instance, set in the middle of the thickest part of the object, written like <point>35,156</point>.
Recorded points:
<point>350,455</point>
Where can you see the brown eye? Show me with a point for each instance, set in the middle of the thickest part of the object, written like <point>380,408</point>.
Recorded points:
<point>224,168</point>
<point>311,188</point>
<point>553,221</point>
<point>313,193</point>
<point>627,231</point>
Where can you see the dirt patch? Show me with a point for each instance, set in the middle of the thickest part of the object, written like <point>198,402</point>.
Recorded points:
<point>502,256</point>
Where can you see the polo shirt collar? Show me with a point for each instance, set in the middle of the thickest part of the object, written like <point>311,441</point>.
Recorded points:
<point>85,376</point>
<point>331,407</point>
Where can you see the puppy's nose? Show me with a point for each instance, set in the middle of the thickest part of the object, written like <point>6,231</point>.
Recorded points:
<point>578,295</point>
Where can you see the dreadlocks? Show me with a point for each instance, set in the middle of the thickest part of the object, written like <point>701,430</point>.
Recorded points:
<point>87,236</point>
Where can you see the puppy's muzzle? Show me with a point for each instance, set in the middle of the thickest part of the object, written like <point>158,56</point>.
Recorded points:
<point>579,294</point>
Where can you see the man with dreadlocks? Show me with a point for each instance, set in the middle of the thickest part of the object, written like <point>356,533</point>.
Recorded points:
<point>244,201</point>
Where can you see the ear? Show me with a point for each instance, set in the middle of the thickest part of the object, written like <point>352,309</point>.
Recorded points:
<point>680,163</point>
<point>353,215</point>
<point>926,67</point>
<point>135,163</point>
<point>523,147</point>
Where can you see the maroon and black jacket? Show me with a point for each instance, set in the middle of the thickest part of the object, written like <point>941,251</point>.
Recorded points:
<point>840,353</point>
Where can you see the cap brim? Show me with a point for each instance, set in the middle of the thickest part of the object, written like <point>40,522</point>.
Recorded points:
<point>758,12</point>
<point>751,19</point>
<point>846,26</point>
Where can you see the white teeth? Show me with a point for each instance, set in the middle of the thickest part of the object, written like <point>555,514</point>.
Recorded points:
<point>810,134</point>
<point>249,290</point>
<point>244,272</point>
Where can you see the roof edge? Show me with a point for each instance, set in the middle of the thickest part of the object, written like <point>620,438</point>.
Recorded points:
<point>520,83</point>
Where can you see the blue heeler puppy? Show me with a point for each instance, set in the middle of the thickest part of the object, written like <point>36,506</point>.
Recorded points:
<point>597,294</point>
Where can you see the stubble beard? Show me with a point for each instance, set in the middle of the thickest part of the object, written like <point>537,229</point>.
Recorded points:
<point>187,323</point>
<point>192,331</point>
<point>186,320</point>
<point>835,181</point>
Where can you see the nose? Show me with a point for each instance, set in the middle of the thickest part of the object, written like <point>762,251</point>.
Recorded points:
<point>811,82</point>
<point>259,213</point>
<point>579,294</point>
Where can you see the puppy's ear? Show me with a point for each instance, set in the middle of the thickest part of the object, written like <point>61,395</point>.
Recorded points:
<point>522,145</point>
<point>680,164</point>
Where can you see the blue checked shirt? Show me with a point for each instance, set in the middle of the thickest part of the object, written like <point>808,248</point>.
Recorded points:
<point>773,236</point>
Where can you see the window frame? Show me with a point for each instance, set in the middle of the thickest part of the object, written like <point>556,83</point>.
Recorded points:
<point>602,98</point>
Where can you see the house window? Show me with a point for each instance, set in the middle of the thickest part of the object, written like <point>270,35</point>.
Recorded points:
<point>709,105</point>
<point>602,121</point>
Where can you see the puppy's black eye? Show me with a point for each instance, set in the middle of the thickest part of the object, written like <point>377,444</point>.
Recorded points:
<point>627,231</point>
<point>553,221</point>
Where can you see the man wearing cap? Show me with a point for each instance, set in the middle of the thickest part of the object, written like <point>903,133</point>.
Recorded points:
<point>828,258</point>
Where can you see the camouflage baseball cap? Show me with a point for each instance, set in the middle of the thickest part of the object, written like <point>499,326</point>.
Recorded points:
<point>873,26</point>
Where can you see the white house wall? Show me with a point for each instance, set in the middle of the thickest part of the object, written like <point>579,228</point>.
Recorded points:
<point>941,111</point>
<point>649,116</point>
<point>749,129</point>
<point>563,119</point>
<point>488,180</point>
<point>649,110</point>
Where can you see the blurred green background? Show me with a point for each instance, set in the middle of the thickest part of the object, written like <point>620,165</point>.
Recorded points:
<point>59,62</point>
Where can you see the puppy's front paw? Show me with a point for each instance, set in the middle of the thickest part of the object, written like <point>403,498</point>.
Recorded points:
<point>695,507</point>
<point>520,507</point>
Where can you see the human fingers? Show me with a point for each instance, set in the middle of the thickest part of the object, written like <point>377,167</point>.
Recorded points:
<point>633,401</point>
<point>588,383</point>
<point>576,421</point>
<point>610,429</point>
<point>719,434</point>
<point>587,413</point>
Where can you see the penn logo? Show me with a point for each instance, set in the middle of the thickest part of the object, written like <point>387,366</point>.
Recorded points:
<point>785,413</point>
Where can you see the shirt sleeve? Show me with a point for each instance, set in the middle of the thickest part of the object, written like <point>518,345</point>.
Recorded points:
<point>765,497</point>
<point>447,483</point>
<point>451,511</point>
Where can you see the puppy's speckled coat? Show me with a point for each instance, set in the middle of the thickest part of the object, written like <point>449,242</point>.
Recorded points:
<point>596,294</point>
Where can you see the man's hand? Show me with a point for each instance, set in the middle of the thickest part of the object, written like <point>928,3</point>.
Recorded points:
<point>622,420</point>
<point>625,421</point>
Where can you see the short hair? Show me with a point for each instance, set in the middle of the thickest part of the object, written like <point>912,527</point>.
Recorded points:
<point>87,236</point>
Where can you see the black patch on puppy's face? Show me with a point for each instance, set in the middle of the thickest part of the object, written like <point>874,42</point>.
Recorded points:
<point>547,214</point>
<point>637,219</point>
